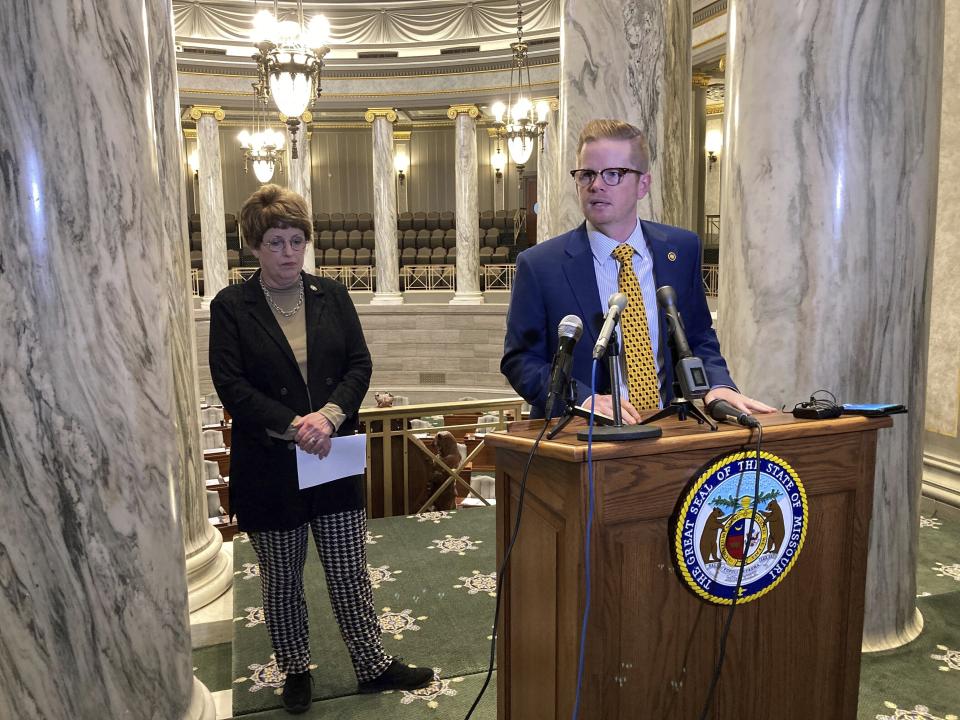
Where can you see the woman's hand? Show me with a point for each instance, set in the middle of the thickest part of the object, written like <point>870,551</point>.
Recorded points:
<point>313,434</point>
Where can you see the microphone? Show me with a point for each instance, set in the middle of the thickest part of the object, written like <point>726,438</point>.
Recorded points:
<point>569,331</point>
<point>690,372</point>
<point>615,306</point>
<point>722,410</point>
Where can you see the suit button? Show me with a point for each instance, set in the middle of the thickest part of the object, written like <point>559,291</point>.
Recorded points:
<point>291,446</point>
<point>283,391</point>
<point>329,381</point>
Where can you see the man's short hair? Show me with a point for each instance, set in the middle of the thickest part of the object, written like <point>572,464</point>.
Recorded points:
<point>618,130</point>
<point>273,206</point>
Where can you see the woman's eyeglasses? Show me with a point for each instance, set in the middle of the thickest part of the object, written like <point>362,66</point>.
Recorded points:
<point>276,244</point>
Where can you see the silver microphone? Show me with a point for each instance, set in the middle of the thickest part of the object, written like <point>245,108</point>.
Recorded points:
<point>615,306</point>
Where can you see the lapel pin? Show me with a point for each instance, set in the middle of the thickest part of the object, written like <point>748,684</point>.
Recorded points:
<point>672,256</point>
<point>313,287</point>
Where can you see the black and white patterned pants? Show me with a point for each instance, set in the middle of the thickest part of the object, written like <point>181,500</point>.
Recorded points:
<point>341,542</point>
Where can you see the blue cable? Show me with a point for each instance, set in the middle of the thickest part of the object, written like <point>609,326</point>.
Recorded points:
<point>586,544</point>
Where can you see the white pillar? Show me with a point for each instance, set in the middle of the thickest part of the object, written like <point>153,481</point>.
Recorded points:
<point>548,173</point>
<point>211,199</point>
<point>827,237</point>
<point>385,207</point>
<point>298,178</point>
<point>468,242</point>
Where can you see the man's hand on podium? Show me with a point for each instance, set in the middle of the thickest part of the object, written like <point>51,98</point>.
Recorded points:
<point>738,400</point>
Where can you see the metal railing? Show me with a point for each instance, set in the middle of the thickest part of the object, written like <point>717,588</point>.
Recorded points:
<point>498,277</point>
<point>418,278</point>
<point>712,231</point>
<point>387,426</point>
<point>711,279</point>
<point>196,275</point>
<point>240,274</point>
<point>352,277</point>
<point>519,221</point>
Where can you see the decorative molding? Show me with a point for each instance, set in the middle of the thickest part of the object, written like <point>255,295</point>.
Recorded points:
<point>552,102</point>
<point>710,40</point>
<point>701,80</point>
<point>306,117</point>
<point>716,109</point>
<point>385,112</point>
<point>941,478</point>
<point>190,133</point>
<point>196,112</point>
<point>402,135</point>
<point>708,13</point>
<point>407,93</point>
<point>469,109</point>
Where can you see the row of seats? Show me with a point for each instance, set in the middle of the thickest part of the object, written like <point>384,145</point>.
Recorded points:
<point>365,256</point>
<point>446,220</point>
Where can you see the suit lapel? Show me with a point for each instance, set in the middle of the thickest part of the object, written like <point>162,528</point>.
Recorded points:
<point>257,305</point>
<point>663,268</point>
<point>578,269</point>
<point>314,303</point>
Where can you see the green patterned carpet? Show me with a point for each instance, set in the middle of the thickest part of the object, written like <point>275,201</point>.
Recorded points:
<point>433,577</point>
<point>433,580</point>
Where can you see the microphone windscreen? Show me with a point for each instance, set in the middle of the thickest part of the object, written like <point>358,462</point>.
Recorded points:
<point>619,300</point>
<point>570,327</point>
<point>666,296</point>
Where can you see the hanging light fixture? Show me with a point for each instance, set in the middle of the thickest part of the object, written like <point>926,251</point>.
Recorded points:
<point>289,62</point>
<point>262,150</point>
<point>516,122</point>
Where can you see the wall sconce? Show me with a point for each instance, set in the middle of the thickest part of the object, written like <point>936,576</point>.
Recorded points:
<point>194,162</point>
<point>498,162</point>
<point>402,164</point>
<point>713,145</point>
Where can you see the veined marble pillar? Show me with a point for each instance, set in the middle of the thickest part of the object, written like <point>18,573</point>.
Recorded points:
<point>298,178</point>
<point>639,73</point>
<point>95,360</point>
<point>942,451</point>
<point>828,226</point>
<point>696,178</point>
<point>212,226</point>
<point>401,146</point>
<point>385,208</point>
<point>468,241</point>
<point>547,173</point>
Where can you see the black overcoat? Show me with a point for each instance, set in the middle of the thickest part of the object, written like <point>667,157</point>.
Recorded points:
<point>260,384</point>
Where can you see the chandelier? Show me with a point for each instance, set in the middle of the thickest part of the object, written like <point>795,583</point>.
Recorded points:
<point>289,61</point>
<point>515,122</point>
<point>261,150</point>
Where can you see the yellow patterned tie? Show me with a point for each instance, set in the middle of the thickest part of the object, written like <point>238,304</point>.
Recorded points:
<point>642,379</point>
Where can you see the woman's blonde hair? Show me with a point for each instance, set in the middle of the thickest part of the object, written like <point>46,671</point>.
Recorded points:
<point>618,130</point>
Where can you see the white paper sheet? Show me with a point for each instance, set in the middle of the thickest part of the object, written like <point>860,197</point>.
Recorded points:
<point>348,456</point>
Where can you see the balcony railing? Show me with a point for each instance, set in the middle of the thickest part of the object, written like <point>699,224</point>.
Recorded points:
<point>419,278</point>
<point>352,277</point>
<point>240,274</point>
<point>195,276</point>
<point>711,279</point>
<point>712,231</point>
<point>498,277</point>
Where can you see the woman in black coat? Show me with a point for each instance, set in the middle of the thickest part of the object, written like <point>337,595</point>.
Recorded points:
<point>290,364</point>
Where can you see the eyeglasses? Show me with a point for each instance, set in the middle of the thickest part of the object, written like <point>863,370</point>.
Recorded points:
<point>611,176</point>
<point>276,244</point>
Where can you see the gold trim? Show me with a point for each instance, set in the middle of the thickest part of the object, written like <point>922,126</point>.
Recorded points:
<point>701,80</point>
<point>189,133</point>
<point>715,109</point>
<point>710,40</point>
<point>374,77</point>
<point>402,135</point>
<point>467,109</point>
<point>492,133</point>
<point>385,112</point>
<point>553,102</point>
<point>198,111</point>
<point>327,95</point>
<point>711,18</point>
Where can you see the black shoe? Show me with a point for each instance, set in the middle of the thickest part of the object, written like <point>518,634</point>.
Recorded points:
<point>297,692</point>
<point>398,676</point>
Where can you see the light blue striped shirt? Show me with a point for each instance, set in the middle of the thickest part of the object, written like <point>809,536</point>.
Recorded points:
<point>607,268</point>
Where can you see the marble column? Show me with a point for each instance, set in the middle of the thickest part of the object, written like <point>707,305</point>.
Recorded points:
<point>639,73</point>
<point>468,241</point>
<point>298,177</point>
<point>696,177</point>
<point>211,199</point>
<point>385,208</point>
<point>547,173</point>
<point>828,210</point>
<point>95,359</point>
<point>401,145</point>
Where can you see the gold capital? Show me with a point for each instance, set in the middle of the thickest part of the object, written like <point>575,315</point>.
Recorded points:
<point>198,111</point>
<point>402,134</point>
<point>471,110</point>
<point>701,80</point>
<point>385,112</point>
<point>552,102</point>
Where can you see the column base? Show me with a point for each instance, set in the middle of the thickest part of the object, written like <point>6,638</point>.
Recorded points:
<point>387,298</point>
<point>201,705</point>
<point>467,298</point>
<point>209,571</point>
<point>896,637</point>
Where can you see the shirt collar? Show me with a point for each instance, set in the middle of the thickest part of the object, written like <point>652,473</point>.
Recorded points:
<point>601,246</point>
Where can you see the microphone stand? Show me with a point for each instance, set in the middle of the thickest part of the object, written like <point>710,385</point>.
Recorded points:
<point>679,406</point>
<point>572,410</point>
<point>617,431</point>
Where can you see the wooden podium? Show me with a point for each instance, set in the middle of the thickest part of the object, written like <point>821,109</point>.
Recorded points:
<point>792,654</point>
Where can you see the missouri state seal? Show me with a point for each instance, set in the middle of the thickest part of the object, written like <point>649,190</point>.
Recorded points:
<point>719,526</point>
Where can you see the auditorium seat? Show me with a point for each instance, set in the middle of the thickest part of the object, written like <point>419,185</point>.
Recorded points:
<point>486,255</point>
<point>408,256</point>
<point>423,238</point>
<point>419,221</point>
<point>364,221</point>
<point>501,219</point>
<point>501,255</point>
<point>340,239</point>
<point>433,220</point>
<point>336,221</point>
<point>447,220</point>
<point>331,257</point>
<point>438,256</point>
<point>486,219</point>
<point>348,256</point>
<point>247,258</point>
<point>410,239</point>
<point>450,239</point>
<point>436,238</point>
<point>369,240</point>
<point>405,221</point>
<point>196,260</point>
<point>491,238</point>
<point>452,256</point>
<point>364,257</point>
<point>325,240</point>
<point>423,256</point>
<point>349,221</point>
<point>233,258</point>
<point>196,240</point>
<point>193,222</point>
<point>321,221</point>
<point>355,239</point>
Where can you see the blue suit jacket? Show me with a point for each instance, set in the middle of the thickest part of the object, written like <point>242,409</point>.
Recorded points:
<point>556,278</point>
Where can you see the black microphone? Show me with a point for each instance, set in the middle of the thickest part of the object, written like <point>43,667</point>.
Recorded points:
<point>689,370</point>
<point>615,305</point>
<point>569,331</point>
<point>722,410</point>
<point>667,298</point>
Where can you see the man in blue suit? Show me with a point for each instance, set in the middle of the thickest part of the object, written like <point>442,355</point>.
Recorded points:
<point>575,273</point>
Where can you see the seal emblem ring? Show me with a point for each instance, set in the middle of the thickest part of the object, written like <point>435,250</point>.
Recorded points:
<point>719,525</point>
